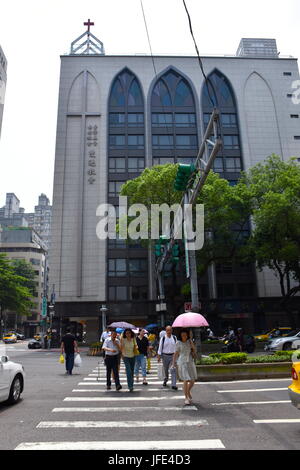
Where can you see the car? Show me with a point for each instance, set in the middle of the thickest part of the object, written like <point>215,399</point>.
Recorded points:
<point>34,344</point>
<point>275,332</point>
<point>283,343</point>
<point>37,337</point>
<point>20,336</point>
<point>10,338</point>
<point>294,388</point>
<point>12,377</point>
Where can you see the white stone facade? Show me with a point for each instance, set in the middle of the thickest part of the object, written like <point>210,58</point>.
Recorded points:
<point>261,87</point>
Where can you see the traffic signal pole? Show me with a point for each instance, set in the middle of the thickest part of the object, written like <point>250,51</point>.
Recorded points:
<point>194,185</point>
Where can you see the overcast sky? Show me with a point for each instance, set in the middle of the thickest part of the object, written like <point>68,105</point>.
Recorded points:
<point>34,33</point>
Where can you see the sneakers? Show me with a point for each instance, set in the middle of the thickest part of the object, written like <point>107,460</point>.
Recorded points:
<point>118,387</point>
<point>165,383</point>
<point>108,387</point>
<point>174,388</point>
<point>145,382</point>
<point>131,389</point>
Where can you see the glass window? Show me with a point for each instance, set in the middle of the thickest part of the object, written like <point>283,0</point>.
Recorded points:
<point>228,120</point>
<point>225,290</point>
<point>186,141</point>
<point>136,165</point>
<point>114,188</point>
<point>116,119</point>
<point>117,97</point>
<point>136,141</point>
<point>117,293</point>
<point>163,160</point>
<point>162,119</point>
<point>231,142</point>
<point>233,164</point>
<point>185,120</point>
<point>138,293</point>
<point>218,165</point>
<point>137,267</point>
<point>134,95</point>
<point>162,141</point>
<point>186,160</point>
<point>117,267</point>
<point>116,243</point>
<point>116,141</point>
<point>161,96</point>
<point>135,119</point>
<point>117,165</point>
<point>245,290</point>
<point>183,95</point>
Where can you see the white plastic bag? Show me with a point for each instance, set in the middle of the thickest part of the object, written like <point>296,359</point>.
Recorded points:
<point>77,360</point>
<point>160,371</point>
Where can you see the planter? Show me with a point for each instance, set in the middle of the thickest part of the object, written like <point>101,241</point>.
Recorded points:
<point>244,371</point>
<point>94,352</point>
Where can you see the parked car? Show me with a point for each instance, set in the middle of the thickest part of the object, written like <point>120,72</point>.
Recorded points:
<point>283,343</point>
<point>275,332</point>
<point>20,336</point>
<point>10,338</point>
<point>37,337</point>
<point>11,380</point>
<point>294,388</point>
<point>34,344</point>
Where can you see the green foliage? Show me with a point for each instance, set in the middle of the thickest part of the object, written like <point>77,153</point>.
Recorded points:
<point>230,358</point>
<point>14,295</point>
<point>25,270</point>
<point>266,359</point>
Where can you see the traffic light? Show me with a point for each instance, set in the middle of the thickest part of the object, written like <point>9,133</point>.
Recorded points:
<point>175,253</point>
<point>183,176</point>
<point>159,249</point>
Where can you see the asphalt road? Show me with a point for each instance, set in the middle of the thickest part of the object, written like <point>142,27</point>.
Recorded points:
<point>76,412</point>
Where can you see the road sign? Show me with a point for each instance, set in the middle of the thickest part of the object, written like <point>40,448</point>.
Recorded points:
<point>44,307</point>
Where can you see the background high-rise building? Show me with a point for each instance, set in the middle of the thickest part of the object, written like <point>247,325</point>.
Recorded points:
<point>117,117</point>
<point>3,78</point>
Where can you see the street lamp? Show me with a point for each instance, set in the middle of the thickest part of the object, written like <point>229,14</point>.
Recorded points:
<point>51,312</point>
<point>103,310</point>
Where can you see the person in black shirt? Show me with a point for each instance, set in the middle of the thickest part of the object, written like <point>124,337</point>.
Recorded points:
<point>140,360</point>
<point>69,346</point>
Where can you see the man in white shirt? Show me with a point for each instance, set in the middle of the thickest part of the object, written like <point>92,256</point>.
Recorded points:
<point>106,333</point>
<point>112,350</point>
<point>166,351</point>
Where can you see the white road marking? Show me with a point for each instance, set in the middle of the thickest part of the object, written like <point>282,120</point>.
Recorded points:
<point>253,390</point>
<point>122,409</point>
<point>120,424</point>
<point>228,382</point>
<point>132,398</point>
<point>124,445</point>
<point>253,403</point>
<point>275,421</point>
<point>146,389</point>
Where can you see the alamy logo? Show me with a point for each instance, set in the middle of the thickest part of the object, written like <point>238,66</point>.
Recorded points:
<point>296,94</point>
<point>138,222</point>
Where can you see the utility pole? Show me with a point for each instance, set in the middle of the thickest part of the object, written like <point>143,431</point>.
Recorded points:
<point>191,180</point>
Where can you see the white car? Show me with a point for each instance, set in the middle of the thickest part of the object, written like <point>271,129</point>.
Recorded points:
<point>11,380</point>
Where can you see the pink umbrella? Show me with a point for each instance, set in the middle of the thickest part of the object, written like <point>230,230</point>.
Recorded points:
<point>136,330</point>
<point>189,320</point>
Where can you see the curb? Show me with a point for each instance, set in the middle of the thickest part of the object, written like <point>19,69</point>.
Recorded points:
<point>244,371</point>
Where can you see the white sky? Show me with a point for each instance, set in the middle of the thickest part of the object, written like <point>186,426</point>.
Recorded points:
<point>34,33</point>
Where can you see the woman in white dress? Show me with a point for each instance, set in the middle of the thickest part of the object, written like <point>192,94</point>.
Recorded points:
<point>185,355</point>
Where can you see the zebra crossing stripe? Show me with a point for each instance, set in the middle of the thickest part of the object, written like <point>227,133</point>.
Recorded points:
<point>124,445</point>
<point>132,398</point>
<point>146,389</point>
<point>276,421</point>
<point>122,409</point>
<point>120,424</point>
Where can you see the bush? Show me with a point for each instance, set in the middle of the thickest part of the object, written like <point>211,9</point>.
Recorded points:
<point>284,353</point>
<point>230,358</point>
<point>208,361</point>
<point>266,359</point>
<point>95,345</point>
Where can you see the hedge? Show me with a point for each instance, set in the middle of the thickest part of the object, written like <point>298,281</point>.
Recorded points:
<point>243,358</point>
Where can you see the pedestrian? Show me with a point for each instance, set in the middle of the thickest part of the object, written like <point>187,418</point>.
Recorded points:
<point>105,335</point>
<point>69,346</point>
<point>162,333</point>
<point>151,351</point>
<point>166,351</point>
<point>140,360</point>
<point>185,357</point>
<point>240,339</point>
<point>112,348</point>
<point>129,351</point>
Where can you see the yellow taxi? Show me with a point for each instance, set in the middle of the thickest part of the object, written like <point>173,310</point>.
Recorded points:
<point>294,388</point>
<point>37,337</point>
<point>10,338</point>
<point>275,332</point>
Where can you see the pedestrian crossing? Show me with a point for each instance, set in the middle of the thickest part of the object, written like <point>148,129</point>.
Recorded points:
<point>146,419</point>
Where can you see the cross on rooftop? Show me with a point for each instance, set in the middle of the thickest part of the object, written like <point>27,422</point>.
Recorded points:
<point>88,24</point>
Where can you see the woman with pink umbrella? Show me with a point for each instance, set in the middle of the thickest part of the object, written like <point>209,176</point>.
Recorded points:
<point>185,354</point>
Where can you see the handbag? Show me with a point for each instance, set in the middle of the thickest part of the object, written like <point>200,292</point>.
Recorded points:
<point>160,371</point>
<point>61,359</point>
<point>136,349</point>
<point>77,360</point>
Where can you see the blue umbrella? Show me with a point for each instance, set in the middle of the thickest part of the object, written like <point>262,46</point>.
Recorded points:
<point>119,330</point>
<point>151,326</point>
